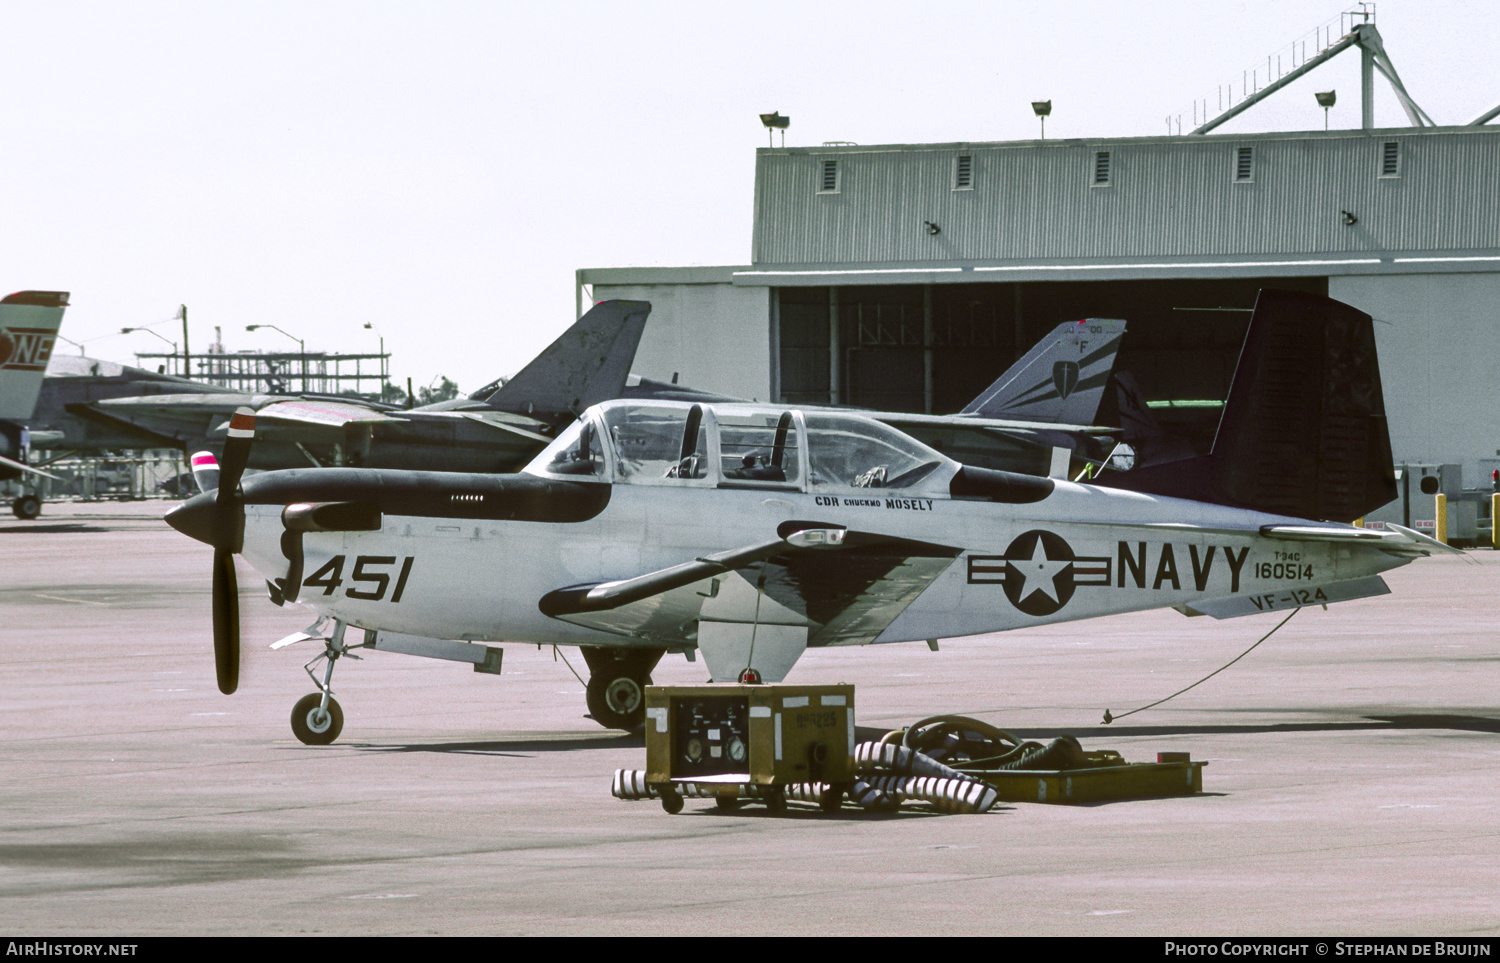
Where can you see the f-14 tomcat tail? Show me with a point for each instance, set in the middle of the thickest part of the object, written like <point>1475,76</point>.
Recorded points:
<point>1304,430</point>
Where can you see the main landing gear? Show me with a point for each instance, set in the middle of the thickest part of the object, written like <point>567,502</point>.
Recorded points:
<point>317,718</point>
<point>617,685</point>
<point>26,506</point>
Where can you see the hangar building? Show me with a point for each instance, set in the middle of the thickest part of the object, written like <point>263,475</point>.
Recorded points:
<point>907,276</point>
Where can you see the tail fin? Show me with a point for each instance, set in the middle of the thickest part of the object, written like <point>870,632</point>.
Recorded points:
<point>587,364</point>
<point>1060,380</point>
<point>28,327</point>
<point>1304,431</point>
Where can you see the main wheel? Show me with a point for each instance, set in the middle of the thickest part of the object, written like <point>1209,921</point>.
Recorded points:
<point>312,725</point>
<point>618,701</point>
<point>26,506</point>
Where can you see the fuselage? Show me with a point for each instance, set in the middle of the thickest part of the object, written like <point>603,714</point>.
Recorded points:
<point>1079,552</point>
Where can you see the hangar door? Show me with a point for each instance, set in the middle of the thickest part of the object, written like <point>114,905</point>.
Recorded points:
<point>932,348</point>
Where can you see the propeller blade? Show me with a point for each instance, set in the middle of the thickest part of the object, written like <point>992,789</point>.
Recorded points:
<point>205,469</point>
<point>226,622</point>
<point>236,452</point>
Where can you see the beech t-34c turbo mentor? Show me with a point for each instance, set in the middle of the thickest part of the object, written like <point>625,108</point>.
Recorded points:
<point>753,532</point>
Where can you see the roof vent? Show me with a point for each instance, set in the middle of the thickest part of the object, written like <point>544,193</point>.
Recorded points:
<point>963,172</point>
<point>1101,168</point>
<point>1244,165</point>
<point>1390,159</point>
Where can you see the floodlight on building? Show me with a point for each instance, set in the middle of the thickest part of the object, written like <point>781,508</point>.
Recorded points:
<point>775,121</point>
<point>1042,108</point>
<point>1349,219</point>
<point>1326,99</point>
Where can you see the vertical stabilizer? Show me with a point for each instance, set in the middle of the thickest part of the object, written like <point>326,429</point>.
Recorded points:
<point>587,364</point>
<point>1060,380</point>
<point>28,327</point>
<point>1304,430</point>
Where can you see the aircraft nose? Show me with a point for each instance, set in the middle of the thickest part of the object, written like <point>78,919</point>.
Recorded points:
<point>195,517</point>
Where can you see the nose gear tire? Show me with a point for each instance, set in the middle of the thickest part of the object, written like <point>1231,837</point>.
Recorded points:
<point>311,725</point>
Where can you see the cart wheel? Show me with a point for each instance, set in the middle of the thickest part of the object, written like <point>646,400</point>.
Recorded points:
<point>671,802</point>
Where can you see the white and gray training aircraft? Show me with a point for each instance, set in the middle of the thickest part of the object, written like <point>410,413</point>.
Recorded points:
<point>751,533</point>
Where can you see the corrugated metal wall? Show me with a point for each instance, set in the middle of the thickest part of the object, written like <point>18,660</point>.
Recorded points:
<point>1168,197</point>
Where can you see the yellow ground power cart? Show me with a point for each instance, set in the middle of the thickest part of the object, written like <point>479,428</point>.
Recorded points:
<point>732,741</point>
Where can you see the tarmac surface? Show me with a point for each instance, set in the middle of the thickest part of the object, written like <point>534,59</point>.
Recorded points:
<point>1354,763</point>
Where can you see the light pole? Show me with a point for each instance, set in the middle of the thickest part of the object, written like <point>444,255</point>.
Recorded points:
<point>1326,99</point>
<point>301,348</point>
<point>1042,108</point>
<point>153,334</point>
<point>385,373</point>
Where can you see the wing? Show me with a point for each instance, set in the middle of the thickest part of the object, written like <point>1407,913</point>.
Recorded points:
<point>844,587</point>
<point>332,414</point>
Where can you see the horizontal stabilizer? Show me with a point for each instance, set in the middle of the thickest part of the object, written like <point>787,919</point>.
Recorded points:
<point>1287,599</point>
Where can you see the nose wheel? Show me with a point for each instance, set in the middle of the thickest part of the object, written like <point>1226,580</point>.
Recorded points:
<point>316,725</point>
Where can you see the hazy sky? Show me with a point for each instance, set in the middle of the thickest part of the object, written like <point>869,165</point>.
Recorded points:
<point>441,169</point>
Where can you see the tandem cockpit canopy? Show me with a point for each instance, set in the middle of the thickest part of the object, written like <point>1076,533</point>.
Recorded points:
<point>740,446</point>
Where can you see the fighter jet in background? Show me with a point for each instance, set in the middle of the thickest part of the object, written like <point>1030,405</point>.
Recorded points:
<point>99,406</point>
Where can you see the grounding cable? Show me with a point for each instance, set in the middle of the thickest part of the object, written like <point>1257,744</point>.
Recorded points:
<point>1108,718</point>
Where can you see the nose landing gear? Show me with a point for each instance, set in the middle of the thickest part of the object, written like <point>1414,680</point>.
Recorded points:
<point>317,718</point>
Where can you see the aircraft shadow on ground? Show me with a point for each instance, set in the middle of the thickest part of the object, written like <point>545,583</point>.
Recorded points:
<point>56,528</point>
<point>635,740</point>
<point>1413,721</point>
<point>514,747</point>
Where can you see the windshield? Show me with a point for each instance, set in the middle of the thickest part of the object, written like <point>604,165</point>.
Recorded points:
<point>577,452</point>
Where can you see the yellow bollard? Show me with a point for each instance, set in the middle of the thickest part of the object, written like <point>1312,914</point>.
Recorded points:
<point>1440,526</point>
